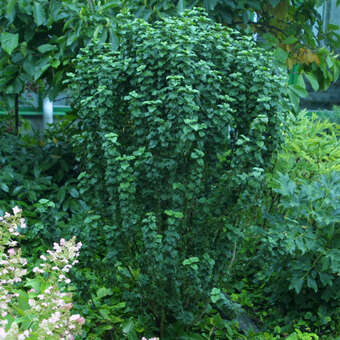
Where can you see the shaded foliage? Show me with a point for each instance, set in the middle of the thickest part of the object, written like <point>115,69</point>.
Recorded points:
<point>174,125</point>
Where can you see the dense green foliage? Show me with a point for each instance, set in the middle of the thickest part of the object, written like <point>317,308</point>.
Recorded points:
<point>299,233</point>
<point>304,244</point>
<point>269,261</point>
<point>185,180</point>
<point>293,29</point>
<point>39,39</point>
<point>175,125</point>
<point>311,148</point>
<point>38,175</point>
<point>331,115</point>
<point>304,240</point>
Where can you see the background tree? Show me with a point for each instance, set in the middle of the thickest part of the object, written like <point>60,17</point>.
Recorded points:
<point>38,41</point>
<point>40,38</point>
<point>293,29</point>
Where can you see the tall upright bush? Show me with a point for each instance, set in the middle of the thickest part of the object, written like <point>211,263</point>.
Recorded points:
<point>175,125</point>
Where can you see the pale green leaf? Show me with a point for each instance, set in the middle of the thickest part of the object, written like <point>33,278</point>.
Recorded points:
<point>129,330</point>
<point>9,41</point>
<point>38,13</point>
<point>4,187</point>
<point>101,292</point>
<point>46,48</point>
<point>10,10</point>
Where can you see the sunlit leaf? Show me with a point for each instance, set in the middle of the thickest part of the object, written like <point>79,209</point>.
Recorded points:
<point>313,81</point>
<point>10,9</point>
<point>9,41</point>
<point>38,13</point>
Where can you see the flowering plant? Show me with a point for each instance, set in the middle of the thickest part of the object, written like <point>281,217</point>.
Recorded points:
<point>38,307</point>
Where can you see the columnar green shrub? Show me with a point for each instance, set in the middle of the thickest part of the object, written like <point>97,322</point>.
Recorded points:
<point>174,125</point>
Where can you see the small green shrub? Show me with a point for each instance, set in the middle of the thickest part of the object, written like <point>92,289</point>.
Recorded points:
<point>296,249</point>
<point>303,245</point>
<point>174,126</point>
<point>287,273</point>
<point>39,174</point>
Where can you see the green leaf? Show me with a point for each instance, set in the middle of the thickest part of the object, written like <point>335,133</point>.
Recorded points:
<point>280,55</point>
<point>290,40</point>
<point>74,192</point>
<point>38,13</point>
<point>34,283</point>
<point>190,261</point>
<point>329,61</point>
<point>176,214</point>
<point>23,48</point>
<point>40,67</point>
<point>4,187</point>
<point>104,313</point>
<point>129,330</point>
<point>23,301</point>
<point>54,62</point>
<point>311,283</point>
<point>313,81</point>
<point>215,295</point>
<point>10,10</point>
<point>46,48</point>
<point>270,39</point>
<point>9,41</point>
<point>299,91</point>
<point>296,283</point>
<point>119,305</point>
<point>294,74</point>
<point>326,279</point>
<point>103,291</point>
<point>114,40</point>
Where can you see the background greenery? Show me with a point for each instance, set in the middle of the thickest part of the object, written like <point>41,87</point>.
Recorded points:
<point>40,38</point>
<point>246,221</point>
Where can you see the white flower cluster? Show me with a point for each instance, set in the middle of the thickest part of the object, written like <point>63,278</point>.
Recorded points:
<point>47,309</point>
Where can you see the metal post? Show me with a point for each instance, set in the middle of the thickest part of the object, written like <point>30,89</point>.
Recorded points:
<point>47,112</point>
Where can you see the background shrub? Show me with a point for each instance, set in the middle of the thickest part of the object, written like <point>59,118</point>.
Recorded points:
<point>39,174</point>
<point>311,148</point>
<point>294,249</point>
<point>175,126</point>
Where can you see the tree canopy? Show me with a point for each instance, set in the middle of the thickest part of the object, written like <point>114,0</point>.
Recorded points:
<point>40,38</point>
